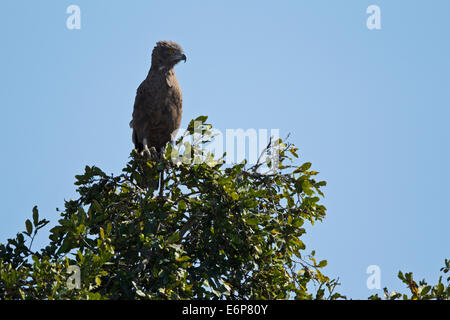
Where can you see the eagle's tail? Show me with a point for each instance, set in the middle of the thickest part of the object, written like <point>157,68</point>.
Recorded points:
<point>137,145</point>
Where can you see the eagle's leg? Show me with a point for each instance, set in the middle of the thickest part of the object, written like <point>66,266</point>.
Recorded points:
<point>161,176</point>
<point>161,184</point>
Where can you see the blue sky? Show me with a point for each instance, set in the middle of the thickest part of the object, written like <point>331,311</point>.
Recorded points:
<point>369,109</point>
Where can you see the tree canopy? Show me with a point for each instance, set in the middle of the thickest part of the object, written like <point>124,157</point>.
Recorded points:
<point>211,231</point>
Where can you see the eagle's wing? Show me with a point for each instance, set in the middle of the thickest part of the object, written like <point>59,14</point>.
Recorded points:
<point>144,112</point>
<point>157,112</point>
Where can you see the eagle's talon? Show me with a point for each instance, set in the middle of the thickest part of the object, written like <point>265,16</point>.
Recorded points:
<point>145,153</point>
<point>154,154</point>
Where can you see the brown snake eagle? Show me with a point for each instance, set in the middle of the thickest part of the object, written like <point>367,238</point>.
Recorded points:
<point>158,104</point>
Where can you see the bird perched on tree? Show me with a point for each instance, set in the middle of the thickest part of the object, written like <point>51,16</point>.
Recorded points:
<point>158,104</point>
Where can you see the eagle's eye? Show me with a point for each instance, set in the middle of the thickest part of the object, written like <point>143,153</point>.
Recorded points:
<point>171,51</point>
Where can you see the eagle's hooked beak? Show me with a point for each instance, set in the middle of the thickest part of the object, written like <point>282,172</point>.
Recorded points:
<point>179,57</point>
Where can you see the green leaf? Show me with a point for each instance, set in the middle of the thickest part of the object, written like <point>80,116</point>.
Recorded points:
<point>425,290</point>
<point>183,258</point>
<point>298,223</point>
<point>201,118</point>
<point>306,166</point>
<point>253,221</point>
<point>29,226</point>
<point>322,264</point>
<point>174,237</point>
<point>35,216</point>
<point>66,246</point>
<point>182,205</point>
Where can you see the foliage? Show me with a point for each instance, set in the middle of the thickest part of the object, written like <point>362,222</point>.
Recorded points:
<point>213,231</point>
<point>421,290</point>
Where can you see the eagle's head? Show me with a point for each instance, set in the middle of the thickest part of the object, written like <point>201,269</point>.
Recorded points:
<point>166,54</point>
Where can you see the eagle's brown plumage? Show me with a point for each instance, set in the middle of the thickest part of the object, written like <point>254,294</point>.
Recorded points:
<point>158,104</point>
